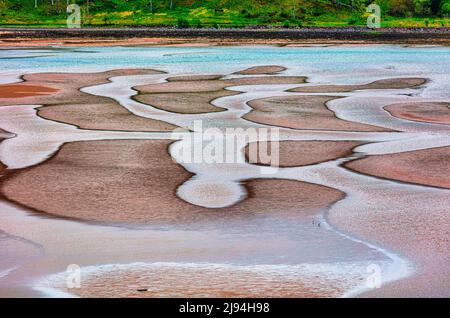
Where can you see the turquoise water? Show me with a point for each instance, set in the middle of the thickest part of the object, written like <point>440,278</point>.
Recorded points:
<point>321,63</point>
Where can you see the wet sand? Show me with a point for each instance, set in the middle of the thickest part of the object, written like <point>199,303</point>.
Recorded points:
<point>130,182</point>
<point>301,112</point>
<point>201,77</point>
<point>84,176</point>
<point>170,280</point>
<point>3,136</point>
<point>19,90</point>
<point>2,166</point>
<point>302,153</point>
<point>414,222</point>
<point>425,167</point>
<point>184,103</point>
<point>437,113</point>
<point>194,94</point>
<point>69,105</point>
<point>189,86</point>
<point>16,251</point>
<point>260,70</point>
<point>416,226</point>
<point>394,83</point>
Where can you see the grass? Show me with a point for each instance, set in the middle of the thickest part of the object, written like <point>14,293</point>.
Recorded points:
<point>203,17</point>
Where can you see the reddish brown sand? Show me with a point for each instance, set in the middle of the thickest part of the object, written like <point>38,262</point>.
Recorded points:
<point>301,112</point>
<point>437,113</point>
<point>302,153</point>
<point>391,83</point>
<point>184,78</point>
<point>211,282</point>
<point>186,103</point>
<point>428,167</point>
<point>193,94</point>
<point>189,86</point>
<point>22,90</point>
<point>193,41</point>
<point>71,106</point>
<point>136,181</point>
<point>260,70</point>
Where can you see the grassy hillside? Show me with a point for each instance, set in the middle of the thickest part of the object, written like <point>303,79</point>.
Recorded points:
<point>225,13</point>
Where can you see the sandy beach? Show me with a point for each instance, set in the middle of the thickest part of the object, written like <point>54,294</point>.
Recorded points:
<point>301,112</point>
<point>303,153</point>
<point>437,113</point>
<point>396,83</point>
<point>201,37</point>
<point>421,167</point>
<point>91,174</point>
<point>142,191</point>
<point>70,105</point>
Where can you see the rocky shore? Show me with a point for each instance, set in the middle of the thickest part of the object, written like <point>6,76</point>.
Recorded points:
<point>280,35</point>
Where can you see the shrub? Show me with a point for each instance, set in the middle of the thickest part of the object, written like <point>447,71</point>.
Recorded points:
<point>445,7</point>
<point>352,21</point>
<point>197,23</point>
<point>182,23</point>
<point>404,8</point>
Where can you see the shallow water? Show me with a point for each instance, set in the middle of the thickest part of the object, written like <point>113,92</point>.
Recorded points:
<point>335,64</point>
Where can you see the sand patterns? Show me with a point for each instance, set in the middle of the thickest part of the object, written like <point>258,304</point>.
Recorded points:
<point>123,182</point>
<point>136,182</point>
<point>66,103</point>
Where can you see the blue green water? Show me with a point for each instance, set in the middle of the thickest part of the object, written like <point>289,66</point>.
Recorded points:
<point>324,64</point>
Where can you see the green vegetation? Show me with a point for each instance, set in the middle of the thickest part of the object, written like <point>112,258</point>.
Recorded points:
<point>225,13</point>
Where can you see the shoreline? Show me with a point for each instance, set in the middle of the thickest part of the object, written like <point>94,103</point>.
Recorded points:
<point>282,37</point>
